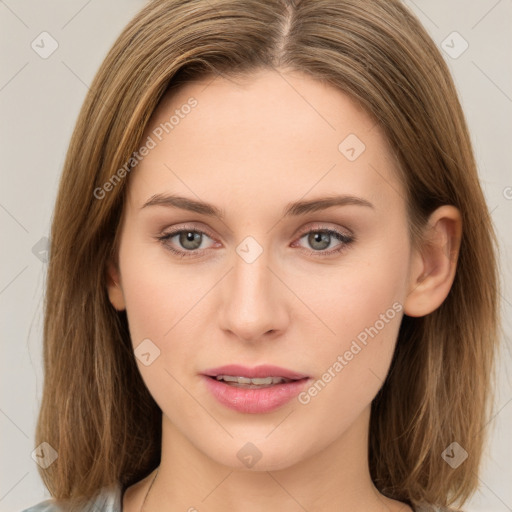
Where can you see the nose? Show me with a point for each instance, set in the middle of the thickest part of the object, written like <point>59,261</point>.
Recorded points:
<point>255,301</point>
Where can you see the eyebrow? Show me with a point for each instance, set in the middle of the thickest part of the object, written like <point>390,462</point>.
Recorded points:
<point>292,209</point>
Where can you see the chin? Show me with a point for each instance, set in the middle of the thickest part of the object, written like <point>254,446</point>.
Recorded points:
<point>258,456</point>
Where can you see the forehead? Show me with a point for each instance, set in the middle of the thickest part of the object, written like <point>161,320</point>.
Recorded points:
<point>270,130</point>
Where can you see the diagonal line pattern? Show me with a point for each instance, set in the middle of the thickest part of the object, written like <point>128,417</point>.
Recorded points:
<point>14,76</point>
<point>198,402</point>
<point>13,423</point>
<point>285,490</point>
<point>301,300</point>
<point>376,376</point>
<point>304,195</point>
<point>505,299</point>
<point>486,14</point>
<point>14,485</point>
<point>481,481</point>
<point>280,423</point>
<point>165,165</point>
<point>13,13</point>
<point>88,88</point>
<point>494,416</point>
<point>204,295</point>
<point>217,486</point>
<point>13,217</point>
<point>13,279</point>
<point>76,75</point>
<point>388,182</point>
<point>76,14</point>
<point>492,81</point>
<point>424,13</point>
<point>306,101</point>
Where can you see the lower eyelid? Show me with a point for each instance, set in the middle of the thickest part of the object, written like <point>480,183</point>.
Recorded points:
<point>345,240</point>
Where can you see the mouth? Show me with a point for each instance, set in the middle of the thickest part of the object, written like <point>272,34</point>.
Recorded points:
<point>264,375</point>
<point>247,383</point>
<point>253,390</point>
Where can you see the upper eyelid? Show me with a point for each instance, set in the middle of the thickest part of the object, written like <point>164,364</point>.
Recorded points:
<point>186,227</point>
<point>317,226</point>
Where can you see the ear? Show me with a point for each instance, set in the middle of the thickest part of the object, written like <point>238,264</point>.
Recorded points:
<point>434,262</point>
<point>114,289</point>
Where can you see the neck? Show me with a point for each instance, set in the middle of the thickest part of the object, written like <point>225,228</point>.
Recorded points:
<point>336,478</point>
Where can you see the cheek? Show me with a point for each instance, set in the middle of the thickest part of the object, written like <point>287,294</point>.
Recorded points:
<point>163,297</point>
<point>346,343</point>
<point>363,306</point>
<point>160,309</point>
<point>347,299</point>
<point>364,291</point>
<point>157,293</point>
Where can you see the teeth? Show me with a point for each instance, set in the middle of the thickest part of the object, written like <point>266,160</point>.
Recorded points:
<point>266,381</point>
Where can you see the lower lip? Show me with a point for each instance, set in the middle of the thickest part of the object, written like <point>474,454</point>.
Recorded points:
<point>254,401</point>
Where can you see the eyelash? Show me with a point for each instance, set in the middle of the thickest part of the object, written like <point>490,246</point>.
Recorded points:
<point>344,238</point>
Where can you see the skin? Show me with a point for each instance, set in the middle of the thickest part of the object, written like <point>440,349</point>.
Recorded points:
<point>250,147</point>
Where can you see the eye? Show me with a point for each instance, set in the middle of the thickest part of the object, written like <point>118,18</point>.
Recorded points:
<point>189,240</point>
<point>321,238</point>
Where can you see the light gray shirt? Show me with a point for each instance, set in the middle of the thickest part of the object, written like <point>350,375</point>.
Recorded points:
<point>109,499</point>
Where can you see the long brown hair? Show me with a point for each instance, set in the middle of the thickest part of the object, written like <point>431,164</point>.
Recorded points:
<point>96,411</point>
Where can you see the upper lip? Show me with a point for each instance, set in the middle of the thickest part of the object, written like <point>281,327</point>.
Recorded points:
<point>261,371</point>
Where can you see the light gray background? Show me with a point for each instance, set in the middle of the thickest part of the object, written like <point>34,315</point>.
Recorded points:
<point>39,101</point>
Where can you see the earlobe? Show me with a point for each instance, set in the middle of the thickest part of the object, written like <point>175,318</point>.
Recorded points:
<point>115,292</point>
<point>434,263</point>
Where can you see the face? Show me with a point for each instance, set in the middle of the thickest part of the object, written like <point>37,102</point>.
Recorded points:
<point>318,292</point>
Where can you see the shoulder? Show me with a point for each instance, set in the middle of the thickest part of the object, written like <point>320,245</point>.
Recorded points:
<point>108,499</point>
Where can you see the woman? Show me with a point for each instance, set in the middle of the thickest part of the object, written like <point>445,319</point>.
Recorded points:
<point>201,350</point>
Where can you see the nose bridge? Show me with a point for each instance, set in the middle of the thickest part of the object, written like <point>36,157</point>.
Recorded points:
<point>251,279</point>
<point>253,303</point>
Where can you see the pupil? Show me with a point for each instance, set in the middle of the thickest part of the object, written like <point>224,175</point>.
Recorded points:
<point>189,237</point>
<point>319,238</point>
